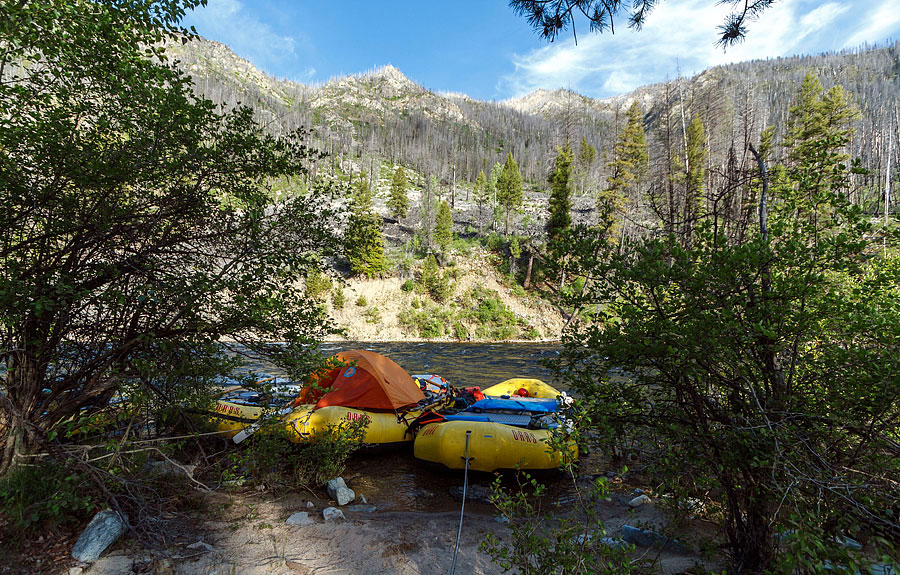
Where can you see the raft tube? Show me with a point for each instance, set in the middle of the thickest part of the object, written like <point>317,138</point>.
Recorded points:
<point>534,387</point>
<point>241,409</point>
<point>501,431</point>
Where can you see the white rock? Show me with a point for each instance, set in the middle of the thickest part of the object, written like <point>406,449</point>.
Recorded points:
<point>638,501</point>
<point>75,570</point>
<point>300,518</point>
<point>332,514</point>
<point>103,530</point>
<point>339,491</point>
<point>200,546</point>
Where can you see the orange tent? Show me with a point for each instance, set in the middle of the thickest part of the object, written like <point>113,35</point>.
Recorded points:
<point>371,381</point>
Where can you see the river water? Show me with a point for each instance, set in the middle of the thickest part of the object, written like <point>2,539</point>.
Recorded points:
<point>462,364</point>
<point>395,480</point>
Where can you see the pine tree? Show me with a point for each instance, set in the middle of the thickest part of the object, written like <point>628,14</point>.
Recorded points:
<point>818,130</point>
<point>364,238</point>
<point>628,168</point>
<point>692,176</point>
<point>587,154</point>
<point>560,203</point>
<point>443,227</point>
<point>399,201</point>
<point>509,188</point>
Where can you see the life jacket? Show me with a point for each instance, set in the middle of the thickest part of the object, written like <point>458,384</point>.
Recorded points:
<point>473,392</point>
<point>424,419</point>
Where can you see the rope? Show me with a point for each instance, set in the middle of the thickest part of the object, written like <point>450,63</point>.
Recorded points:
<point>462,508</point>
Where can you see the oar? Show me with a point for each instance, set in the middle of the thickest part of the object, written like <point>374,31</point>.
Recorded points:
<point>251,429</point>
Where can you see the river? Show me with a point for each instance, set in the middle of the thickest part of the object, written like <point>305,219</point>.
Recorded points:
<point>462,364</point>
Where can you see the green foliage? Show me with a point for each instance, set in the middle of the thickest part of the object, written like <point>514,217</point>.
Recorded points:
<point>509,188</point>
<point>269,458</point>
<point>459,331</point>
<point>408,286</point>
<point>542,543</point>
<point>147,239</point>
<point>361,301</point>
<point>762,367</point>
<point>372,315</point>
<point>560,203</point>
<point>587,155</point>
<point>337,297</point>
<point>443,227</point>
<point>493,320</point>
<point>428,321</point>
<point>325,453</point>
<point>399,200</point>
<point>318,284</point>
<point>364,244</point>
<point>531,333</point>
<point>35,497</point>
<point>435,283</point>
<point>627,170</point>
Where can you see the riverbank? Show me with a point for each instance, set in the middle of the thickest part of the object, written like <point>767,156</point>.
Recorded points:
<point>407,526</point>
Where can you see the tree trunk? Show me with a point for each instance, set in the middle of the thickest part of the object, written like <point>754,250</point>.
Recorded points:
<point>527,283</point>
<point>17,446</point>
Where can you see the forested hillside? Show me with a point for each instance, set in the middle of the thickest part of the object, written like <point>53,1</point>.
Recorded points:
<point>381,115</point>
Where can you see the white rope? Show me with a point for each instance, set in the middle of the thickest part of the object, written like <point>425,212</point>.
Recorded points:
<point>462,508</point>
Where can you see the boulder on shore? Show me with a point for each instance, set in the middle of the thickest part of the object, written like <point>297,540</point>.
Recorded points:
<point>103,530</point>
<point>339,491</point>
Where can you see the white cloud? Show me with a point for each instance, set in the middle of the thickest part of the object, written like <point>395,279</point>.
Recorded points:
<point>683,33</point>
<point>879,23</point>
<point>231,23</point>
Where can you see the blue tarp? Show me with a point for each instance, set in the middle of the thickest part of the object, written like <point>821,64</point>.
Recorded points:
<point>527,404</point>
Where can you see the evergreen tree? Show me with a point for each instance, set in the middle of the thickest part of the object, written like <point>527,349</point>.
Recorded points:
<point>443,227</point>
<point>587,154</point>
<point>509,188</point>
<point>818,120</point>
<point>560,203</point>
<point>761,376</point>
<point>399,201</point>
<point>628,168</point>
<point>364,238</point>
<point>692,176</point>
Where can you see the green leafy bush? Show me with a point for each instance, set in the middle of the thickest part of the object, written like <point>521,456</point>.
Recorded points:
<point>269,458</point>
<point>326,452</point>
<point>430,322</point>
<point>318,284</point>
<point>337,297</point>
<point>408,286</point>
<point>548,543</point>
<point>372,315</point>
<point>361,301</point>
<point>34,496</point>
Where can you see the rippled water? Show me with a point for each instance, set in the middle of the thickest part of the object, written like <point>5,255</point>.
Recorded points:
<point>462,364</point>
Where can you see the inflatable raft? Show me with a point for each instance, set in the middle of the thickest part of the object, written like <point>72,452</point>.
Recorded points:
<point>510,427</point>
<point>371,388</point>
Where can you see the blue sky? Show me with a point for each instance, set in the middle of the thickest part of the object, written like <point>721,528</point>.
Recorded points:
<point>481,48</point>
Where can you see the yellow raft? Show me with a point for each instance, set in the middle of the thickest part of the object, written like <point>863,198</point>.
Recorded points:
<point>242,409</point>
<point>494,445</point>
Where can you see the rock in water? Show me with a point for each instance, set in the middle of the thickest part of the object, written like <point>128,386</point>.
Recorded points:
<point>332,514</point>
<point>101,532</point>
<point>339,491</point>
<point>301,518</point>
